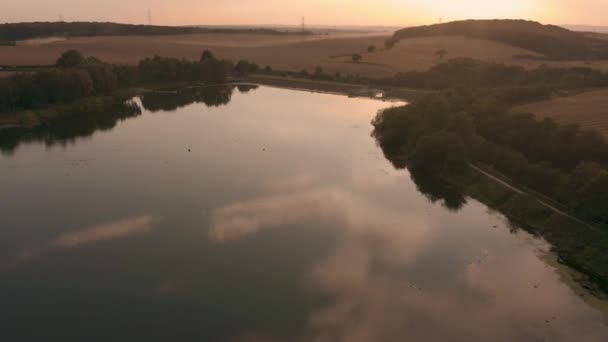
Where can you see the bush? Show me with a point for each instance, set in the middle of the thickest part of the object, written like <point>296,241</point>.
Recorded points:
<point>70,59</point>
<point>207,55</point>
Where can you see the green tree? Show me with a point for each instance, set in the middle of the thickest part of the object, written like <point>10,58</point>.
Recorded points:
<point>390,43</point>
<point>439,152</point>
<point>70,59</point>
<point>357,58</point>
<point>207,55</point>
<point>371,48</point>
<point>441,53</point>
<point>243,68</point>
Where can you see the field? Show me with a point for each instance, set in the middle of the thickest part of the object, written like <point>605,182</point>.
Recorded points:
<point>294,53</point>
<point>588,109</point>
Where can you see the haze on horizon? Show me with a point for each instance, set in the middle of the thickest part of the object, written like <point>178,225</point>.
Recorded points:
<point>317,12</point>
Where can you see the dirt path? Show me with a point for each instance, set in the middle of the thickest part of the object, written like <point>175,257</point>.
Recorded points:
<point>543,203</point>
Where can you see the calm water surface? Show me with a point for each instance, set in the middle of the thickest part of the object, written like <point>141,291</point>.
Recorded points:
<point>256,215</point>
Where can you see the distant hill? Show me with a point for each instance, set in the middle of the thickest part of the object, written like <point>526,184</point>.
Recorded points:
<point>553,42</point>
<point>21,31</point>
<point>587,28</point>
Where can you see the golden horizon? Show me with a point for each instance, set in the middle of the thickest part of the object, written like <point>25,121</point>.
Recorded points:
<point>317,12</point>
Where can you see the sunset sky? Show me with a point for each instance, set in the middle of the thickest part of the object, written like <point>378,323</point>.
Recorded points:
<point>289,12</point>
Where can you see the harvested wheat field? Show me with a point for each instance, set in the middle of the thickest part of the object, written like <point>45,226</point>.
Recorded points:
<point>589,110</point>
<point>333,52</point>
<point>421,53</point>
<point>293,53</point>
<point>418,54</point>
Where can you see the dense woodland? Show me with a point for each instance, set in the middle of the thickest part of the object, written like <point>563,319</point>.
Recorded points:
<point>515,83</point>
<point>473,73</point>
<point>87,116</point>
<point>444,132</point>
<point>76,77</point>
<point>214,96</point>
<point>19,31</point>
<point>71,122</point>
<point>550,41</point>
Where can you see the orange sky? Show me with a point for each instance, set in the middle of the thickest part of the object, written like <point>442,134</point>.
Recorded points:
<point>329,12</point>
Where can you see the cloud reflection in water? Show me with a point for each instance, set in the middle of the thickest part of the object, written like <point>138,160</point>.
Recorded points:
<point>95,234</point>
<point>490,301</point>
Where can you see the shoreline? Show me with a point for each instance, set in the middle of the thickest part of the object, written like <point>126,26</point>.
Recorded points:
<point>26,119</point>
<point>563,232</point>
<point>489,190</point>
<point>339,88</point>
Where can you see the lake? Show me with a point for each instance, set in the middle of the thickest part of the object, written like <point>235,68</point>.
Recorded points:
<point>257,214</point>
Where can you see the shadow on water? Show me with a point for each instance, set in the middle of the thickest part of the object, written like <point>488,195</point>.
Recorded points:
<point>172,100</point>
<point>245,88</point>
<point>67,129</point>
<point>586,266</point>
<point>436,190</point>
<point>432,186</point>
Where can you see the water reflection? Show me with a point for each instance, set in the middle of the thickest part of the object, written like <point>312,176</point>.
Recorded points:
<point>171,100</point>
<point>436,190</point>
<point>66,130</point>
<point>375,296</point>
<point>95,234</point>
<point>245,88</point>
<point>280,222</point>
<point>398,235</point>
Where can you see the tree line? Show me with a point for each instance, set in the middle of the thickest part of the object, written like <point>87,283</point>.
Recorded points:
<point>473,73</point>
<point>11,32</point>
<point>76,120</point>
<point>444,132</point>
<point>515,82</point>
<point>76,77</point>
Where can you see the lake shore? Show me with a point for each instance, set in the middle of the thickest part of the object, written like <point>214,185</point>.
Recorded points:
<point>349,89</point>
<point>565,233</point>
<point>36,117</point>
<point>489,191</point>
<point>27,119</point>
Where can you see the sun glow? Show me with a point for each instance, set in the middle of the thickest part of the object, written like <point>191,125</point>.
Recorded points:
<point>480,9</point>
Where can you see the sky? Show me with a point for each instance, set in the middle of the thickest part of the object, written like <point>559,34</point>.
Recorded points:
<point>317,12</point>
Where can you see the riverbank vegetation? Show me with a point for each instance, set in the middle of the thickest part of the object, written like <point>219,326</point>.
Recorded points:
<point>444,133</point>
<point>76,77</point>
<point>520,85</point>
<point>62,124</point>
<point>65,124</point>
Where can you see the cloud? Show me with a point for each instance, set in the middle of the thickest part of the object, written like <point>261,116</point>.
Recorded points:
<point>400,234</point>
<point>371,296</point>
<point>104,232</point>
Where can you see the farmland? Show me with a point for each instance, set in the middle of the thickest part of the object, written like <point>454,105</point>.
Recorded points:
<point>589,110</point>
<point>332,52</point>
